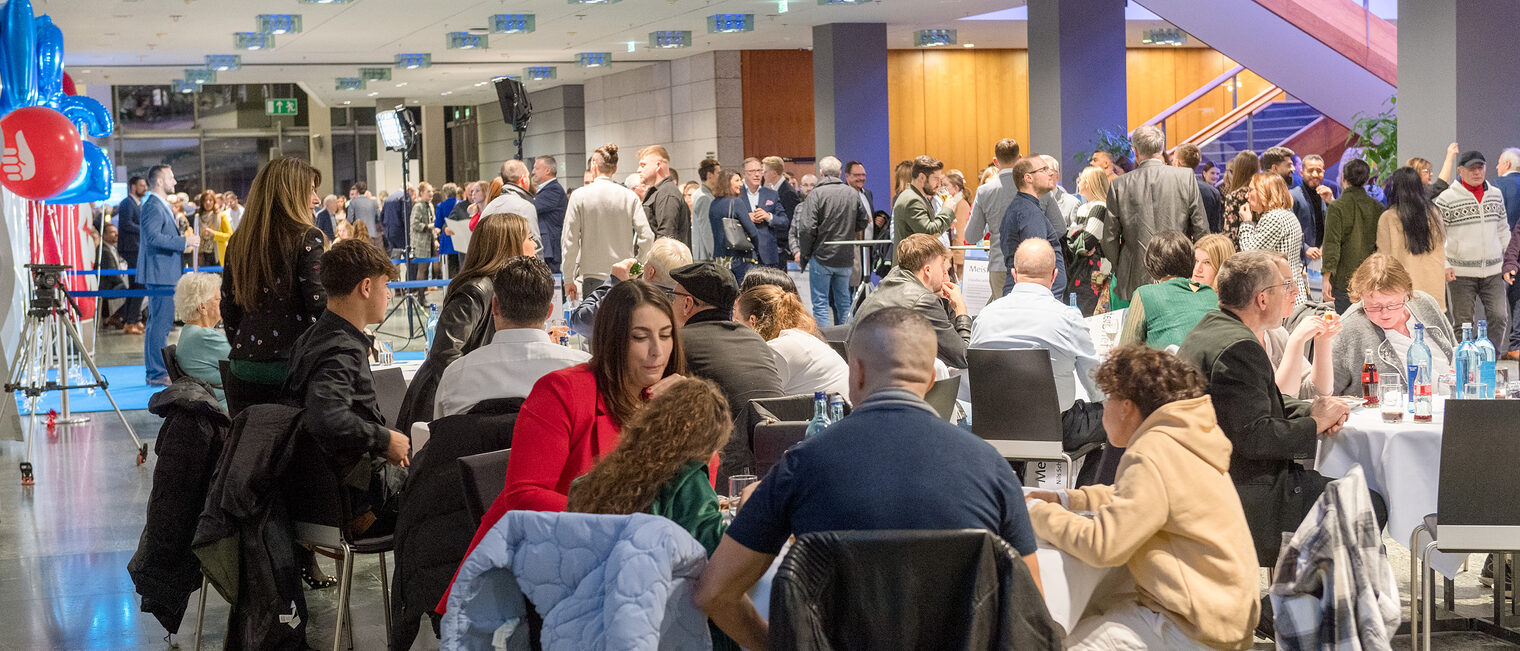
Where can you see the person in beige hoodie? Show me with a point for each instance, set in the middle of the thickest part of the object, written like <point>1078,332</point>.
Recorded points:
<point>1172,515</point>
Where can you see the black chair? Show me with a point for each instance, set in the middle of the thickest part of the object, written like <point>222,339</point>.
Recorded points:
<point>482,476</point>
<point>942,396</point>
<point>772,439</point>
<point>851,590</point>
<point>241,393</point>
<point>775,424</point>
<point>1477,506</point>
<point>171,361</point>
<point>390,392</point>
<point>1014,406</point>
<point>838,338</point>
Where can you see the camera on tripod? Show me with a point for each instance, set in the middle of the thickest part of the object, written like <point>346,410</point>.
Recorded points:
<point>47,281</point>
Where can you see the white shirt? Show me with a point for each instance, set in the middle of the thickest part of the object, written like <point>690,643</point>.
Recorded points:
<point>1030,317</point>
<point>807,364</point>
<point>508,367</point>
<point>236,215</point>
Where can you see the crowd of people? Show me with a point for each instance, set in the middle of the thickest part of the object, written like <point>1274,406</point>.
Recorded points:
<point>1224,374</point>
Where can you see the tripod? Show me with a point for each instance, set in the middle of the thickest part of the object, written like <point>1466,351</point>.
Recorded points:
<point>50,328</point>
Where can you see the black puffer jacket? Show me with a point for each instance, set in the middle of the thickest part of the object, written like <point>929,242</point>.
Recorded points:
<point>433,529</point>
<point>967,590</point>
<point>464,324</point>
<point>188,445</point>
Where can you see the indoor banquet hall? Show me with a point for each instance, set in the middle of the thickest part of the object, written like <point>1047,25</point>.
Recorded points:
<point>762,324</point>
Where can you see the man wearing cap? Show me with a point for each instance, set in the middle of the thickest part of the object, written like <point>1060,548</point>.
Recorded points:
<point>1477,233</point>
<point>720,349</point>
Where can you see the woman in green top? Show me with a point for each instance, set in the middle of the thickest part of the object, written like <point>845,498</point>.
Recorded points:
<point>1161,314</point>
<point>660,467</point>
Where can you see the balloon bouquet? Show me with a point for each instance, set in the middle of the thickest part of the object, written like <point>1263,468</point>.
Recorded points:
<point>41,119</point>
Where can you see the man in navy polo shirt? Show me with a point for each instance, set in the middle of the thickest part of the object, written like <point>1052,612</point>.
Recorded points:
<point>883,467</point>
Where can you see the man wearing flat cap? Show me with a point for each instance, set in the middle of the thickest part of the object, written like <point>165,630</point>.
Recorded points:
<point>1477,233</point>
<point>720,349</point>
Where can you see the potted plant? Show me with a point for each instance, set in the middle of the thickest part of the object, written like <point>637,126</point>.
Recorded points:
<point>1114,141</point>
<point>1378,137</point>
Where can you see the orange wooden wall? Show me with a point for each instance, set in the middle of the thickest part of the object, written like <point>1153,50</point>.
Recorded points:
<point>954,104</point>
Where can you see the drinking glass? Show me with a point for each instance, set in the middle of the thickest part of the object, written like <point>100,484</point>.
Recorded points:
<point>1391,401</point>
<point>736,486</point>
<point>1473,390</point>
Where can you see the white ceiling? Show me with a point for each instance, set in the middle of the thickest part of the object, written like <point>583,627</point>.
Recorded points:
<point>152,41</point>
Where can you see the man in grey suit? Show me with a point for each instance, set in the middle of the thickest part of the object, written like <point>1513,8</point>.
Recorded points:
<point>992,200</point>
<point>1154,198</point>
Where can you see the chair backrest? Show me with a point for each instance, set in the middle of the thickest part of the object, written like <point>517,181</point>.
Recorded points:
<point>942,395</point>
<point>482,476</point>
<point>1478,501</point>
<point>1013,402</point>
<point>390,393</point>
<point>772,440</point>
<point>171,361</point>
<point>420,434</point>
<point>839,333</point>
<point>314,495</point>
<point>850,590</point>
<point>840,347</point>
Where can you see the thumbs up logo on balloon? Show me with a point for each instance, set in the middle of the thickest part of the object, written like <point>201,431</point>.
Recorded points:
<point>18,164</point>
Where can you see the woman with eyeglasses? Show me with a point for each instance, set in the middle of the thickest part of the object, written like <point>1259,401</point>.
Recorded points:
<point>1382,320</point>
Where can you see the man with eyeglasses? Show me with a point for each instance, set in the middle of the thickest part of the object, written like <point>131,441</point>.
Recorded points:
<point>717,348</point>
<point>1266,429</point>
<point>1154,198</point>
<point>1025,218</point>
<point>769,216</point>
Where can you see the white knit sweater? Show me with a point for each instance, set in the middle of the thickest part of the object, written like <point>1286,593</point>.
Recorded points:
<point>1476,233</point>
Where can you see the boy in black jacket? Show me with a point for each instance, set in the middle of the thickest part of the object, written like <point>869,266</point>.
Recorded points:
<point>330,377</point>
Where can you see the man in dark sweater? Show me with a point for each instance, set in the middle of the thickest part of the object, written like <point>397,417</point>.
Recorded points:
<point>330,377</point>
<point>720,349</point>
<point>883,467</point>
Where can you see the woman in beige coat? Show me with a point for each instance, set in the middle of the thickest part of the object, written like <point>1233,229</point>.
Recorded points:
<point>1411,232</point>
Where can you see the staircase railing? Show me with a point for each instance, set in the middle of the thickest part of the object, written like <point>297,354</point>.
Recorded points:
<point>1228,121</point>
<point>1228,76</point>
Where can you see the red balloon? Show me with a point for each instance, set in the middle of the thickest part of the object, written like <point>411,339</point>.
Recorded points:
<point>68,85</point>
<point>42,153</point>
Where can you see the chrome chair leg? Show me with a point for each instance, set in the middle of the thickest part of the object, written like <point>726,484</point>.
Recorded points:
<point>200,615</point>
<point>1415,589</point>
<point>344,584</point>
<point>385,596</point>
<point>1428,581</point>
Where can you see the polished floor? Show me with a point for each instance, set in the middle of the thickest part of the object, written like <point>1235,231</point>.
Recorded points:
<point>65,543</point>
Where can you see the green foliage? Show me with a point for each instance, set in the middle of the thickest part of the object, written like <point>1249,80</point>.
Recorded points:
<point>1378,136</point>
<point>1115,141</point>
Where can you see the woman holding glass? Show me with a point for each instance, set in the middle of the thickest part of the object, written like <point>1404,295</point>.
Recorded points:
<point>1382,320</point>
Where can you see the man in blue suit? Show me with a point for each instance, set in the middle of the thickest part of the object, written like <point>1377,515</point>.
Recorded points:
<point>128,218</point>
<point>393,219</point>
<point>766,211</point>
<point>550,201</point>
<point>159,267</point>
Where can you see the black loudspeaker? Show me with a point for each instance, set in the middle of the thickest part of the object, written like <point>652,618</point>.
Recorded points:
<point>515,109</point>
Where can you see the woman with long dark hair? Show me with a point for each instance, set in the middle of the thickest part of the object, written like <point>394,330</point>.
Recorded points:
<point>464,319</point>
<point>215,225</point>
<point>271,291</point>
<point>1411,232</point>
<point>574,417</point>
<point>729,204</point>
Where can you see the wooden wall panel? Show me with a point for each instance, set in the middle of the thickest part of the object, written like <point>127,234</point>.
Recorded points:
<point>778,109</point>
<point>954,104</point>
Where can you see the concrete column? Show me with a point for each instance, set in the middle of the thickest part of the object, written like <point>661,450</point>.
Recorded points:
<point>558,129</point>
<point>319,143</point>
<point>434,140</point>
<point>850,100</point>
<point>1076,77</point>
<point>1450,88</point>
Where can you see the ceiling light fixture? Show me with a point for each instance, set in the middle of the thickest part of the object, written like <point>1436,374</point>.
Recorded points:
<point>539,73</point>
<point>414,60</point>
<point>447,92</point>
<point>466,41</point>
<point>347,102</point>
<point>401,85</point>
<point>252,41</point>
<point>280,23</point>
<point>968,45</point>
<point>325,2</point>
<point>513,24</point>
<point>223,62</point>
<point>632,45</point>
<point>843,2</point>
<point>200,76</point>
<point>374,93</point>
<point>375,74</point>
<point>933,37</point>
<point>781,7</point>
<point>666,39</point>
<point>349,83</point>
<point>593,59</point>
<point>730,23</point>
<point>593,2</point>
<point>182,86</point>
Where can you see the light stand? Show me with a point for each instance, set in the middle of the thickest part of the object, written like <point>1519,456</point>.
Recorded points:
<point>399,131</point>
<point>49,330</point>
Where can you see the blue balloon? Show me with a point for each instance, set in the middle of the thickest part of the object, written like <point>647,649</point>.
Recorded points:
<point>93,183</point>
<point>49,59</point>
<point>18,39</point>
<point>88,115</point>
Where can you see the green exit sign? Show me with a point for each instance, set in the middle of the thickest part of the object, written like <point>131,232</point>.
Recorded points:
<point>280,106</point>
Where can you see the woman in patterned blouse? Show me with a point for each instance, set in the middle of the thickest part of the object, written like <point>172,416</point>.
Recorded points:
<point>1267,223</point>
<point>1245,166</point>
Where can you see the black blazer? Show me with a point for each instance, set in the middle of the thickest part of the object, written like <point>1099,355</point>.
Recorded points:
<point>464,324</point>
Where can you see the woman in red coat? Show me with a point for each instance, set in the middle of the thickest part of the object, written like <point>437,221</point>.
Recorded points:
<point>572,417</point>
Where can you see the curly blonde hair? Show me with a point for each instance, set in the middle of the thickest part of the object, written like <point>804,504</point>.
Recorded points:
<point>687,422</point>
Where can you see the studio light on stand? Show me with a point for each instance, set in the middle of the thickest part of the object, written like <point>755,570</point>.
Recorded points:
<point>515,107</point>
<point>398,130</point>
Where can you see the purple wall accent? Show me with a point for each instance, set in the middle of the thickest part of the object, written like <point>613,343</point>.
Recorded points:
<point>1077,79</point>
<point>850,100</point>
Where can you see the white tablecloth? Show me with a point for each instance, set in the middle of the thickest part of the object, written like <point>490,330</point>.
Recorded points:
<point>1402,462</point>
<point>408,368</point>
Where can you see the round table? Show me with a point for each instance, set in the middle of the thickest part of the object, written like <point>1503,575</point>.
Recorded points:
<point>1401,461</point>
